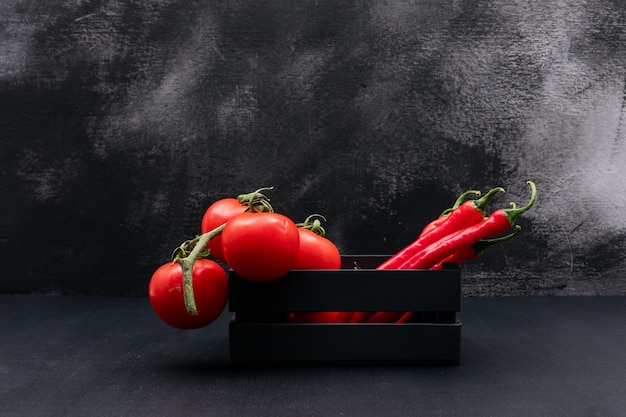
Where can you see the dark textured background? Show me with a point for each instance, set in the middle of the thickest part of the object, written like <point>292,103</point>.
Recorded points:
<point>121,121</point>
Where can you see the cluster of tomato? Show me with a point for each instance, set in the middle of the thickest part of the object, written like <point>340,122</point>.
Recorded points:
<point>247,235</point>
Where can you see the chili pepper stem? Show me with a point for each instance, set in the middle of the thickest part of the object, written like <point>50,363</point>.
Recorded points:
<point>482,202</point>
<point>481,245</point>
<point>462,198</point>
<point>515,211</point>
<point>186,263</point>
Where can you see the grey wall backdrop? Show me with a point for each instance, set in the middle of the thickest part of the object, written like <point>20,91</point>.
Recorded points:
<point>121,121</point>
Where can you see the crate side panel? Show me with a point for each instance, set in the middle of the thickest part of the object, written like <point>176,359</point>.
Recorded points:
<point>349,290</point>
<point>344,342</point>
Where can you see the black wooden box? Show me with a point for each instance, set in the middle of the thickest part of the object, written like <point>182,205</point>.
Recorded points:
<point>259,331</point>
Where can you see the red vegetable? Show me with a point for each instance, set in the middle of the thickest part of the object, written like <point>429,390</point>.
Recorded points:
<point>467,214</point>
<point>260,246</point>
<point>498,222</point>
<point>360,316</point>
<point>217,214</point>
<point>404,317</point>
<point>210,287</point>
<point>318,317</point>
<point>474,251</point>
<point>315,250</point>
<point>225,209</point>
<point>444,216</point>
<point>364,316</point>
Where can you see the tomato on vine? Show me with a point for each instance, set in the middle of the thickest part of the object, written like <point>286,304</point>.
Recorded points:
<point>260,246</point>
<point>191,291</point>
<point>210,287</point>
<point>315,250</point>
<point>217,214</point>
<point>225,209</point>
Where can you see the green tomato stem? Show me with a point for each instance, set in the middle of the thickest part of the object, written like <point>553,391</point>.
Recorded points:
<point>313,224</point>
<point>186,263</point>
<point>257,201</point>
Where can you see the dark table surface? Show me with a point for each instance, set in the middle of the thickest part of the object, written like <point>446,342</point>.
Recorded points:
<point>111,356</point>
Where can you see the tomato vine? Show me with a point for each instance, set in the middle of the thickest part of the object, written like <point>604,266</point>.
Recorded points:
<point>191,250</point>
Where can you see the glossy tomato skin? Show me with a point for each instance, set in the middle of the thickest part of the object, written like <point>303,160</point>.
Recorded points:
<point>316,252</point>
<point>210,284</point>
<point>260,246</point>
<point>216,215</point>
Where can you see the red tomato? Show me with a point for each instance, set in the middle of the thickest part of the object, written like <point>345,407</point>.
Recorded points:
<point>216,215</point>
<point>210,285</point>
<point>316,252</point>
<point>260,246</point>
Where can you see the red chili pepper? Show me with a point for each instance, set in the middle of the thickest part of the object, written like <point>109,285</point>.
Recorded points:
<point>385,317</point>
<point>365,316</point>
<point>467,214</point>
<point>444,215</point>
<point>498,222</point>
<point>405,317</point>
<point>475,250</point>
<point>361,316</point>
<point>464,215</point>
